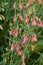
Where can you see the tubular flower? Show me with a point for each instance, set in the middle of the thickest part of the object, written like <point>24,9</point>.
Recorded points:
<point>28,5</point>
<point>40,24</point>
<point>21,18</point>
<point>27,20</point>
<point>15,32</point>
<point>12,47</point>
<point>33,23</point>
<point>25,39</point>
<point>21,6</point>
<point>17,47</point>
<point>33,38</point>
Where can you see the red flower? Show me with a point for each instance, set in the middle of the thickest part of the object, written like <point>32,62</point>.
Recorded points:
<point>27,20</point>
<point>33,22</point>
<point>34,38</point>
<point>12,47</point>
<point>24,40</point>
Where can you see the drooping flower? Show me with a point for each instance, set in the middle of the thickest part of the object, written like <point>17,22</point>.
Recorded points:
<point>15,32</point>
<point>12,47</point>
<point>33,38</point>
<point>15,18</point>
<point>21,6</point>
<point>23,57</point>
<point>17,47</point>
<point>21,17</point>
<point>33,23</point>
<point>25,39</point>
<point>40,24</point>
<point>27,19</point>
<point>28,5</point>
<point>19,52</point>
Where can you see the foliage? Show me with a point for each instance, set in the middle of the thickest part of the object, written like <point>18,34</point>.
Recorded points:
<point>21,32</point>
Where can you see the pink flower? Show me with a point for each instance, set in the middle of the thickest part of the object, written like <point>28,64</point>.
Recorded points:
<point>33,22</point>
<point>21,18</point>
<point>17,47</point>
<point>14,5</point>
<point>23,63</point>
<point>27,20</point>
<point>40,1</point>
<point>34,38</point>
<point>21,6</point>
<point>15,32</point>
<point>24,40</point>
<point>23,57</point>
<point>40,24</point>
<point>27,5</point>
<point>12,47</point>
<point>19,52</point>
<point>15,18</point>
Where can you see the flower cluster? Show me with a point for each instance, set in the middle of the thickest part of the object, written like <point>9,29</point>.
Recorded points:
<point>24,33</point>
<point>33,22</point>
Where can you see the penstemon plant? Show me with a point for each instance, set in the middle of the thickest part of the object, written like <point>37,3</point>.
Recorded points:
<point>21,32</point>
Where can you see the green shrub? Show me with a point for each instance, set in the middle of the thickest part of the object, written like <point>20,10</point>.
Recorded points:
<point>21,32</point>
